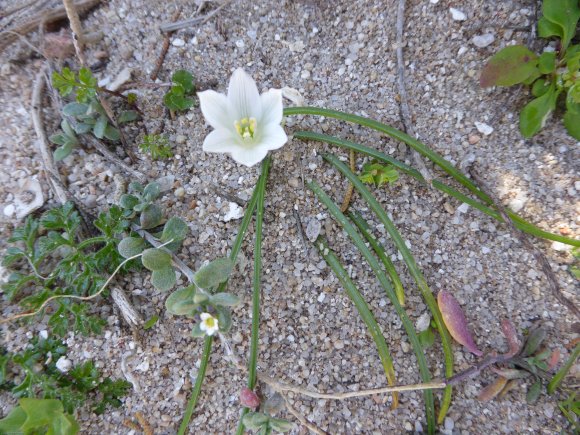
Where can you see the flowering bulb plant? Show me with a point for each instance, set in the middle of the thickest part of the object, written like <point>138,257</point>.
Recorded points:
<point>246,124</point>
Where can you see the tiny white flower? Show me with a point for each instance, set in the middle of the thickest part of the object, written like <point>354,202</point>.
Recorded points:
<point>209,324</point>
<point>246,124</point>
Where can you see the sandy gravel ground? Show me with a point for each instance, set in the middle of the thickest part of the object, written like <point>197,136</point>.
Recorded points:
<point>340,55</point>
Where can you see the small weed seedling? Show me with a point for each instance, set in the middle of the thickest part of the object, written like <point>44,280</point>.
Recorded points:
<point>157,146</point>
<point>179,96</point>
<point>553,73</point>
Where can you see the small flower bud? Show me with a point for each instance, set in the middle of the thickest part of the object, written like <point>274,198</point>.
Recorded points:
<point>249,399</point>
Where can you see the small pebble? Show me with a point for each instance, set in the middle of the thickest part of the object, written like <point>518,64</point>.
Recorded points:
<point>9,210</point>
<point>63,364</point>
<point>473,139</point>
<point>483,128</point>
<point>178,42</point>
<point>321,297</point>
<point>484,40</point>
<point>457,15</point>
<point>180,192</point>
<point>449,424</point>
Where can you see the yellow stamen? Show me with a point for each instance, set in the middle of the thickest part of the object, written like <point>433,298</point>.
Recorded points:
<point>246,127</point>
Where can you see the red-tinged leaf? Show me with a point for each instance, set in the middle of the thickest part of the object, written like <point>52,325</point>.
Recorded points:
<point>511,335</point>
<point>249,399</point>
<point>554,358</point>
<point>509,66</point>
<point>456,322</point>
<point>492,389</point>
<point>511,373</point>
<point>509,386</point>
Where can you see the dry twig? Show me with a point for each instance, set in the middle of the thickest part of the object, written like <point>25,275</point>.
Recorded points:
<point>164,48</point>
<point>172,27</point>
<point>350,188</point>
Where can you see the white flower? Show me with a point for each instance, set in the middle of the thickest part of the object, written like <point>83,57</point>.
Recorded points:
<point>246,124</point>
<point>209,324</point>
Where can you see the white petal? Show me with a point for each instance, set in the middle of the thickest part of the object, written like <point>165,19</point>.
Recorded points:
<point>221,141</point>
<point>273,137</point>
<point>249,156</point>
<point>215,109</point>
<point>271,107</point>
<point>205,316</point>
<point>243,96</point>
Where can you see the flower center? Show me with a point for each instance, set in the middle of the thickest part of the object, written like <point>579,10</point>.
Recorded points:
<point>210,322</point>
<point>246,127</point>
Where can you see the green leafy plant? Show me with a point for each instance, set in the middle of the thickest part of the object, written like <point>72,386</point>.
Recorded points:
<point>378,174</point>
<point>52,259</point>
<point>200,297</point>
<point>179,95</point>
<point>139,204</point>
<point>86,115</point>
<point>156,145</point>
<point>35,372</point>
<point>550,74</point>
<point>33,416</point>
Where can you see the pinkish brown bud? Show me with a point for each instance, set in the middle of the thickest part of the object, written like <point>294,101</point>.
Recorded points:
<point>249,399</point>
<point>456,322</point>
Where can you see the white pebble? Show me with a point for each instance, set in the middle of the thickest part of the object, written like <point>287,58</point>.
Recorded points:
<point>43,334</point>
<point>423,322</point>
<point>144,366</point>
<point>234,212</point>
<point>321,297</point>
<point>483,128</point>
<point>63,364</point>
<point>559,246</point>
<point>485,250</point>
<point>463,208</point>
<point>457,15</point>
<point>484,40</point>
<point>240,43</point>
<point>178,42</point>
<point>9,210</point>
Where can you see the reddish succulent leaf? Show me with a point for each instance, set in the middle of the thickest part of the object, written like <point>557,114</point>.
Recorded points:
<point>249,399</point>
<point>554,358</point>
<point>509,331</point>
<point>510,66</point>
<point>492,389</point>
<point>456,322</point>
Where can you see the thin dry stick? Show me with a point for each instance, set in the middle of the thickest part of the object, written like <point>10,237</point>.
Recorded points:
<point>110,156</point>
<point>45,17</point>
<point>404,103</point>
<point>79,298</point>
<point>302,419</point>
<point>43,146</point>
<point>280,386</point>
<point>538,255</point>
<point>171,27</point>
<point>76,28</point>
<point>350,188</point>
<point>164,48</point>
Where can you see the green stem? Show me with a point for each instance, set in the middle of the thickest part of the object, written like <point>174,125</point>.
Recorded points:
<point>197,387</point>
<point>253,359</point>
<point>386,284</point>
<point>363,309</point>
<point>208,340</point>
<point>413,269</point>
<point>518,222</point>
<point>363,227</point>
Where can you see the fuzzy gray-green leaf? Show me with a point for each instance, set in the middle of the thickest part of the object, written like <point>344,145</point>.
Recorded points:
<point>214,273</point>
<point>156,259</point>
<point>151,216</point>
<point>225,299</point>
<point>175,229</point>
<point>180,302</point>
<point>163,279</point>
<point>131,246</point>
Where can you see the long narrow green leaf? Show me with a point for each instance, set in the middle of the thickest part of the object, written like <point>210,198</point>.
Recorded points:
<point>413,269</point>
<point>362,308</point>
<point>253,359</point>
<point>558,377</point>
<point>386,284</point>
<point>519,222</point>
<point>363,227</point>
<point>397,134</point>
